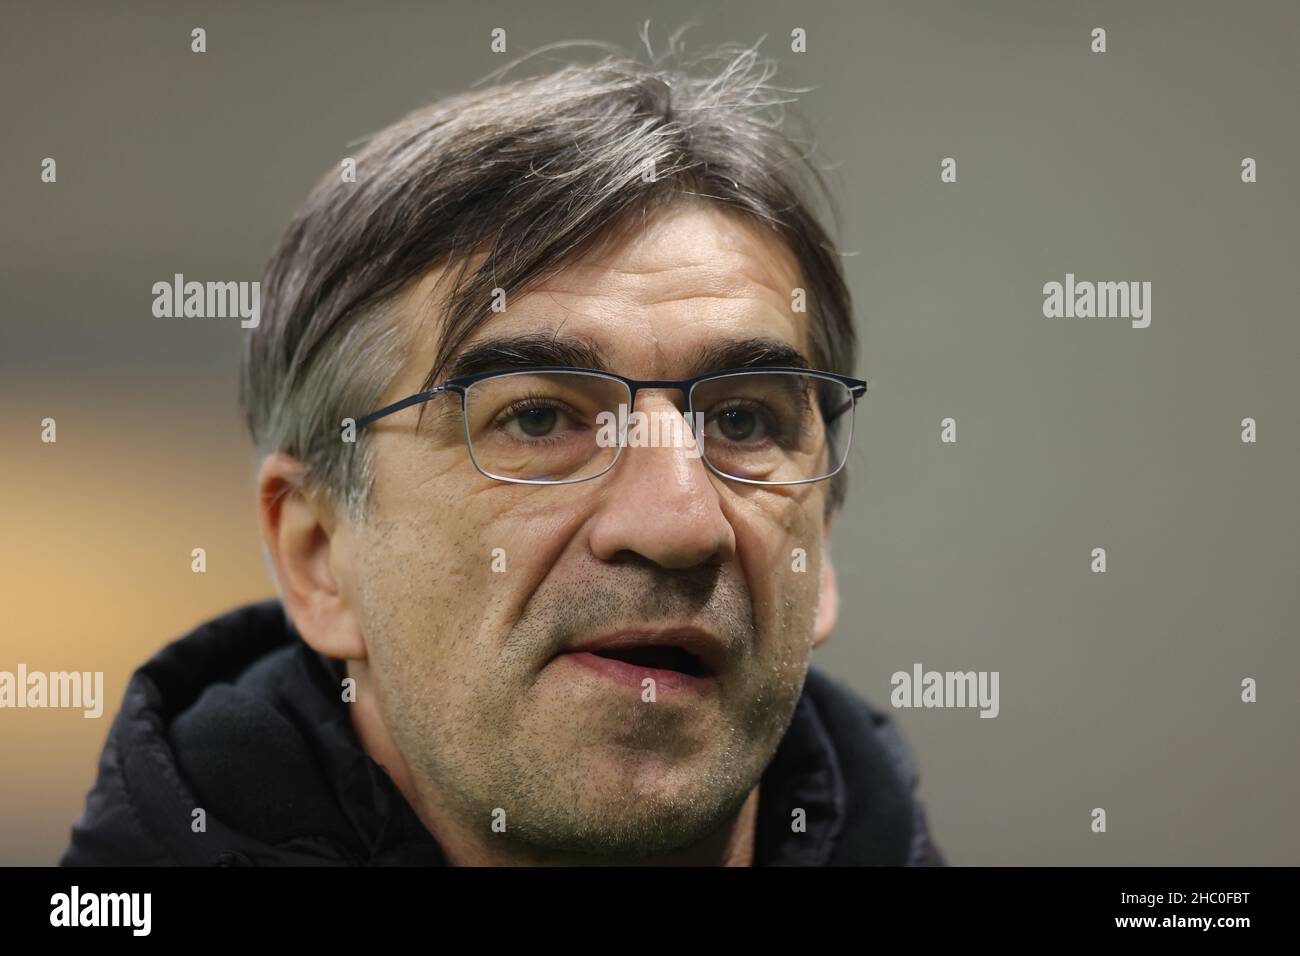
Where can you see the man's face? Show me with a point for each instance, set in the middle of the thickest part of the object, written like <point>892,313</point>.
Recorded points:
<point>466,643</point>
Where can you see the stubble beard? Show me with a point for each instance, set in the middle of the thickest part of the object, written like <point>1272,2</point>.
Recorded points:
<point>625,784</point>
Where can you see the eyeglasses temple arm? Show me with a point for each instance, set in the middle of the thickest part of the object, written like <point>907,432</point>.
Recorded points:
<point>398,406</point>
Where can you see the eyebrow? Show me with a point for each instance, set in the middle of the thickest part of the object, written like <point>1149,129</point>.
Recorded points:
<point>748,353</point>
<point>534,349</point>
<point>525,351</point>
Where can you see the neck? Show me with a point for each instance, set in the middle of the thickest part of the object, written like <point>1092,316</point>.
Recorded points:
<point>732,844</point>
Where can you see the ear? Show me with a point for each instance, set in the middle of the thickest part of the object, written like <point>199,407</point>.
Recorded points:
<point>828,599</point>
<point>307,546</point>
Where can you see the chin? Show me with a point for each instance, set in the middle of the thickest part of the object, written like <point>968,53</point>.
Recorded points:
<point>639,804</point>
<point>629,832</point>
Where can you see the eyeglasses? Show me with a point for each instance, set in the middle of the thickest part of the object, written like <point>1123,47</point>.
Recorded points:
<point>554,425</point>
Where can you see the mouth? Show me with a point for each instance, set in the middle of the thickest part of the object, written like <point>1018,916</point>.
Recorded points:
<point>677,661</point>
<point>665,657</point>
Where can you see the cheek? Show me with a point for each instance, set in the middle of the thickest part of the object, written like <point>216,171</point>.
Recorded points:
<point>421,581</point>
<point>419,549</point>
<point>407,582</point>
<point>451,563</point>
<point>779,546</point>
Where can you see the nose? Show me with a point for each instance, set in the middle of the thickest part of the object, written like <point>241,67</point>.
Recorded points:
<point>663,504</point>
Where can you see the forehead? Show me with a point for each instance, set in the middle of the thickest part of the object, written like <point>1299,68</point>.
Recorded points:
<point>690,277</point>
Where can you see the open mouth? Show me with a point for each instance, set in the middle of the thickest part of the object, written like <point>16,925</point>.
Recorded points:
<point>662,657</point>
<point>682,661</point>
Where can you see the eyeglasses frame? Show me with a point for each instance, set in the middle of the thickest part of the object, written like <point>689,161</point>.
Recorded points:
<point>461,385</point>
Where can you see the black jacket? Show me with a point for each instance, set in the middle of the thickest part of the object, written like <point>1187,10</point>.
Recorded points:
<point>242,719</point>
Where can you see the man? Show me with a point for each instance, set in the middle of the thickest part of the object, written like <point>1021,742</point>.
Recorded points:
<point>511,630</point>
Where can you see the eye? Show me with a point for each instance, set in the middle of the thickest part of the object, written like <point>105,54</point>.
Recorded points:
<point>737,424</point>
<point>536,422</point>
<point>533,420</point>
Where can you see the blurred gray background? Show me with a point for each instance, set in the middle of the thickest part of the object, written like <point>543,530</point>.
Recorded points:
<point>1118,690</point>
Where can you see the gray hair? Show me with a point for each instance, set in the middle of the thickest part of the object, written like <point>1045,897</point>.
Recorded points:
<point>528,174</point>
